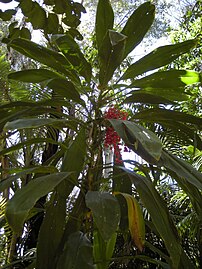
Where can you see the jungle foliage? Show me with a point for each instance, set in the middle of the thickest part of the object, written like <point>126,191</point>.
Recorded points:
<point>63,204</point>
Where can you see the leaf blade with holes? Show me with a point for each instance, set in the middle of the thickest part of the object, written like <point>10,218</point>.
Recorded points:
<point>141,140</point>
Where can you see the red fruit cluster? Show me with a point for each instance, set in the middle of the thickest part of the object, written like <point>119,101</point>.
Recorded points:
<point>115,113</point>
<point>112,139</point>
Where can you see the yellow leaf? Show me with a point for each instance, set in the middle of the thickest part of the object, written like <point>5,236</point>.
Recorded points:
<point>135,221</point>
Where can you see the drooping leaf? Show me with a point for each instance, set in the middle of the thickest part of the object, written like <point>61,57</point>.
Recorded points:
<point>142,141</point>
<point>34,75</point>
<point>158,57</point>
<point>135,220</point>
<point>191,190</point>
<point>146,98</point>
<point>66,89</point>
<point>33,110</point>
<point>137,26</point>
<point>12,115</point>
<point>6,182</point>
<point>168,79</point>
<point>149,260</point>
<point>33,104</point>
<point>32,141</point>
<point>73,160</point>
<point>183,169</point>
<point>25,198</point>
<point>161,115</point>
<point>30,123</point>
<point>43,55</point>
<point>161,219</point>
<point>77,253</point>
<point>106,212</point>
<point>161,95</point>
<point>104,20</point>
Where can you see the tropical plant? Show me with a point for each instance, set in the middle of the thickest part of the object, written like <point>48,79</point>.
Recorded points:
<point>68,206</point>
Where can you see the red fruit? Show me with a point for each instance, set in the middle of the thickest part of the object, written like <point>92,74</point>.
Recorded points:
<point>112,139</point>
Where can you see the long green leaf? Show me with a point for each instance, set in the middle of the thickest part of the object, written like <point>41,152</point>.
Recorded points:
<point>104,20</point>
<point>31,142</point>
<point>25,198</point>
<point>30,123</point>
<point>66,89</point>
<point>54,222</point>
<point>34,75</point>
<point>51,231</point>
<point>161,94</point>
<point>106,212</point>
<point>22,104</point>
<point>157,95</point>
<point>161,219</point>
<point>16,113</point>
<point>77,253</point>
<point>168,79</point>
<point>45,56</point>
<point>158,57</point>
<point>137,26</point>
<point>161,115</point>
<point>140,96</point>
<point>12,115</point>
<point>6,182</point>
